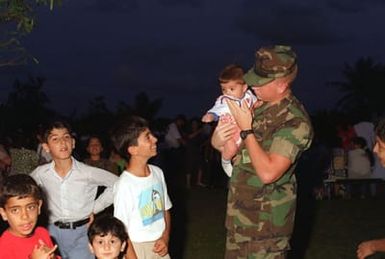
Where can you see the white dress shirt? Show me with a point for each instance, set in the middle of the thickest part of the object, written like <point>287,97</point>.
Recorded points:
<point>72,198</point>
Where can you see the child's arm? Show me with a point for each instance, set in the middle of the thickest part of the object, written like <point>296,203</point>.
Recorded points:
<point>42,251</point>
<point>161,245</point>
<point>130,254</point>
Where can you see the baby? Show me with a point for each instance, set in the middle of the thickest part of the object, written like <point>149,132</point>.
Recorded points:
<point>233,88</point>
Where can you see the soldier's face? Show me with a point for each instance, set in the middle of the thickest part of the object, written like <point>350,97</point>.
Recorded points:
<point>379,150</point>
<point>267,92</point>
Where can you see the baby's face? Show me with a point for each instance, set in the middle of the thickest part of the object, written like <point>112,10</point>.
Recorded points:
<point>234,88</point>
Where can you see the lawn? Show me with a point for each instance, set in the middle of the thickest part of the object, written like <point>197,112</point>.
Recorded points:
<point>327,229</point>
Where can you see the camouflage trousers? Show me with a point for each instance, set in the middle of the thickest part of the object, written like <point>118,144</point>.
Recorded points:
<point>239,248</point>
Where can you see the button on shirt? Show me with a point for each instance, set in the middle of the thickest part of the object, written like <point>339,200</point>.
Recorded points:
<point>72,198</point>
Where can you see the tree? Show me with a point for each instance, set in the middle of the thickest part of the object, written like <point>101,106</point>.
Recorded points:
<point>98,118</point>
<point>146,108</point>
<point>17,19</point>
<point>363,88</point>
<point>26,105</point>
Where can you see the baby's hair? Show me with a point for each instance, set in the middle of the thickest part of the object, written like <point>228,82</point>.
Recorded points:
<point>231,72</point>
<point>107,225</point>
<point>21,186</point>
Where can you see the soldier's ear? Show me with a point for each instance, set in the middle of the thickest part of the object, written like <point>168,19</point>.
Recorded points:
<point>282,86</point>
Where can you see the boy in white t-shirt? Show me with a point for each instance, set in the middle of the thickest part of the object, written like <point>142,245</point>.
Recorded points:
<point>141,201</point>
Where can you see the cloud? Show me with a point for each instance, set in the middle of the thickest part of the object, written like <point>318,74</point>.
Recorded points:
<point>298,23</point>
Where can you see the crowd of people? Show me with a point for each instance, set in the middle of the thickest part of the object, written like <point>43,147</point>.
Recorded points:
<point>254,136</point>
<point>78,185</point>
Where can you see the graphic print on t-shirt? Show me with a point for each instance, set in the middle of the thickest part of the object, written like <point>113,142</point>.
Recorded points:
<point>151,204</point>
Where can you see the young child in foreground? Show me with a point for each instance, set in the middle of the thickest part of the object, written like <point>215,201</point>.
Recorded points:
<point>141,200</point>
<point>233,88</point>
<point>107,238</point>
<point>20,204</point>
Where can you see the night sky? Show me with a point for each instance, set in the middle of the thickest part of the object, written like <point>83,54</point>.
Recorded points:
<point>174,49</point>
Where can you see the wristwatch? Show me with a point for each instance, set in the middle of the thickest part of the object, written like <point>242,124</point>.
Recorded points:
<point>244,133</point>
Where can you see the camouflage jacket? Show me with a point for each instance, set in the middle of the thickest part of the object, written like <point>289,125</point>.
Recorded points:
<point>259,211</point>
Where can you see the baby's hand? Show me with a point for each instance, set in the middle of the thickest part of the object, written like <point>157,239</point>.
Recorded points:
<point>208,117</point>
<point>42,251</point>
<point>227,118</point>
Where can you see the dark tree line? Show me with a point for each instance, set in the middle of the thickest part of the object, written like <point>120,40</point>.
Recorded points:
<point>28,107</point>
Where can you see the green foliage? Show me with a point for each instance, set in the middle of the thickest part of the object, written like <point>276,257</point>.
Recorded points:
<point>362,88</point>
<point>26,106</point>
<point>17,19</point>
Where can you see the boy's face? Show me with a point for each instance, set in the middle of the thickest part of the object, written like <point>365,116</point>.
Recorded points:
<point>94,147</point>
<point>21,214</point>
<point>59,144</point>
<point>146,146</point>
<point>379,150</point>
<point>107,247</point>
<point>234,88</point>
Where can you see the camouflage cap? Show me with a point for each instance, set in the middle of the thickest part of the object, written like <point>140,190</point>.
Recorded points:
<point>271,63</point>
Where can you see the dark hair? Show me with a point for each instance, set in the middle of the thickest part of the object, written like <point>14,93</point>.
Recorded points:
<point>21,186</point>
<point>230,73</point>
<point>55,125</point>
<point>105,225</point>
<point>359,141</point>
<point>380,129</point>
<point>126,134</point>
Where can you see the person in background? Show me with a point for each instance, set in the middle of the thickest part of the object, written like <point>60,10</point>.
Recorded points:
<point>43,156</point>
<point>5,162</point>
<point>360,159</point>
<point>24,158</point>
<point>118,160</point>
<point>95,149</point>
<point>175,153</point>
<point>368,248</point>
<point>194,157</point>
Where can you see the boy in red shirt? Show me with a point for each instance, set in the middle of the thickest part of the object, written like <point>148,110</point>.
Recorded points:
<point>20,204</point>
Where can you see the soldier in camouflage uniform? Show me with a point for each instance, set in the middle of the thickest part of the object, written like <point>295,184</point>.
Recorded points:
<point>262,188</point>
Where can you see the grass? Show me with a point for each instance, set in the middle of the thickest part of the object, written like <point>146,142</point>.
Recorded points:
<point>327,229</point>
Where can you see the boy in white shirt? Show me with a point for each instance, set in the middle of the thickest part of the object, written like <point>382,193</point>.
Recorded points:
<point>141,201</point>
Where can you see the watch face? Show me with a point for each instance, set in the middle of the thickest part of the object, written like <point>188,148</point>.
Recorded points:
<point>244,133</point>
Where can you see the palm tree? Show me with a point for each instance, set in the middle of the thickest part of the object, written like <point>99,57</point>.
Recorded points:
<point>363,88</point>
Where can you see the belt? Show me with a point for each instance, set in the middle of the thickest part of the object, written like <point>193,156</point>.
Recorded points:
<point>71,225</point>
